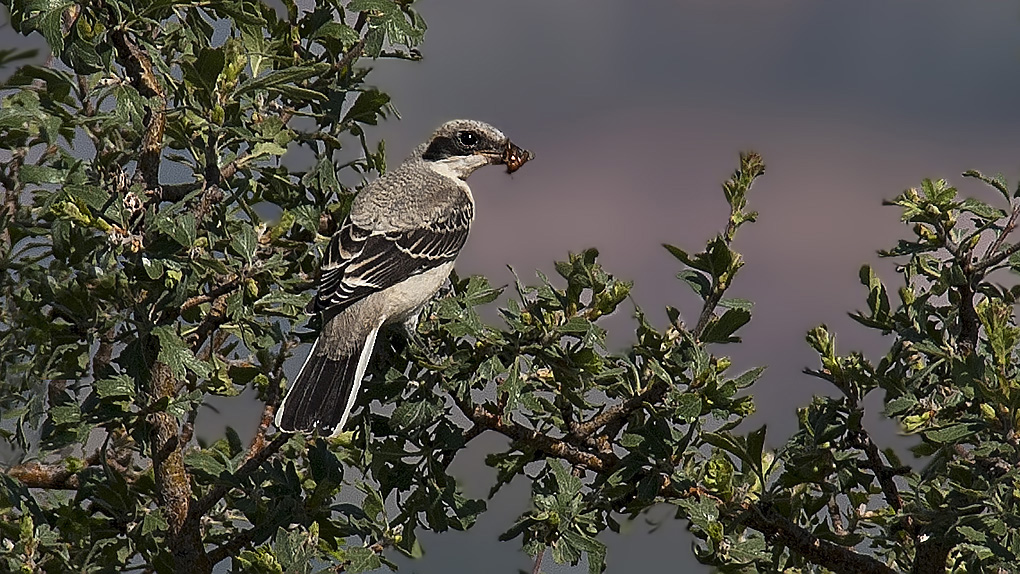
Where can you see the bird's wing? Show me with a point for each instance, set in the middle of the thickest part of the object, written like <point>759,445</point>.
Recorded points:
<point>359,261</point>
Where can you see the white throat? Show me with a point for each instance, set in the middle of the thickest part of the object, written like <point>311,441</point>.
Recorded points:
<point>458,167</point>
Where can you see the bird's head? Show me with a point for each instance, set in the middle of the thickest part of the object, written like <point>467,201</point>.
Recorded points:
<point>463,146</point>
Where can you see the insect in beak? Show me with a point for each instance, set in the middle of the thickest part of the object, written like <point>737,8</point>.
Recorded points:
<point>514,157</point>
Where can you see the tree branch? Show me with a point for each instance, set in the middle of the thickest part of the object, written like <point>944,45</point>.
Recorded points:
<point>620,411</point>
<point>143,77</point>
<point>272,400</point>
<point>62,477</point>
<point>50,476</point>
<point>222,289</point>
<point>782,530</point>
<point>217,316</point>
<point>1010,226</point>
<point>233,546</point>
<point>257,447</point>
<point>970,324</point>
<point>205,504</point>
<point>996,259</point>
<point>485,420</point>
<point>173,483</point>
<point>931,556</point>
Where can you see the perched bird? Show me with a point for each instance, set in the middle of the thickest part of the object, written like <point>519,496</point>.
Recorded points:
<point>391,255</point>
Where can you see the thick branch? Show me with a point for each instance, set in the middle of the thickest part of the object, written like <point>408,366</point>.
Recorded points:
<point>50,476</point>
<point>62,477</point>
<point>483,419</point>
<point>143,77</point>
<point>173,484</point>
<point>970,324</point>
<point>931,556</point>
<point>782,530</point>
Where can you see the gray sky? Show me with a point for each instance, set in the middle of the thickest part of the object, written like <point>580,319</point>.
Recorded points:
<point>637,110</point>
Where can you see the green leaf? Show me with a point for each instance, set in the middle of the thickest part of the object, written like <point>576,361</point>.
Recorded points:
<point>680,254</point>
<point>206,69</point>
<point>245,242</point>
<point>154,522</point>
<point>205,462</point>
<point>734,303</point>
<point>361,559</point>
<point>176,354</point>
<point>65,414</point>
<point>698,281</point>
<point>998,182</point>
<point>336,31</point>
<point>953,433</point>
<point>277,77</point>
<point>381,6</point>
<point>120,386</point>
<point>756,446</point>
<point>41,174</point>
<point>569,485</point>
<point>267,148</point>
<point>367,108</point>
<point>981,209</point>
<point>283,303</point>
<point>721,330</point>
<point>748,378</point>
<point>688,406</point>
<point>413,414</point>
<point>575,325</point>
<point>46,18</point>
<point>181,228</point>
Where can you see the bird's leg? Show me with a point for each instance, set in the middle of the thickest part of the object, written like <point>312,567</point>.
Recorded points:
<point>411,333</point>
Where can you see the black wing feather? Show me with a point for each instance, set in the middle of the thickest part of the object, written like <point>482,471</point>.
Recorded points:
<point>359,262</point>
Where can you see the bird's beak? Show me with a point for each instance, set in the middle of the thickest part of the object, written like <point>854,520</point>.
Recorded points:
<point>514,157</point>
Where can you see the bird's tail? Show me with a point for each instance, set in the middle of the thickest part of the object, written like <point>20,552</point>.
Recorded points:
<point>324,392</point>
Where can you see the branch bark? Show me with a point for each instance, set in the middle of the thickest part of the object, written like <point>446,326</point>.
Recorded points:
<point>222,289</point>
<point>173,483</point>
<point>51,476</point>
<point>782,530</point>
<point>931,556</point>
<point>485,420</point>
<point>143,77</point>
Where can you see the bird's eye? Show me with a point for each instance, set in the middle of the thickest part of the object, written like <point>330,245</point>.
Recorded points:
<point>468,139</point>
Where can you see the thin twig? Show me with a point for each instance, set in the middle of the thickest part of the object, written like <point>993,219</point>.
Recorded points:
<point>1010,226</point>
<point>984,264</point>
<point>213,293</point>
<point>835,517</point>
<point>538,562</point>
<point>255,460</point>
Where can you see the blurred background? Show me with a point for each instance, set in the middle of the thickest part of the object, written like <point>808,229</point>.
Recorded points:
<point>637,111</point>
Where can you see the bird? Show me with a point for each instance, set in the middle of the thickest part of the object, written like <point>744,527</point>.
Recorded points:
<point>390,256</point>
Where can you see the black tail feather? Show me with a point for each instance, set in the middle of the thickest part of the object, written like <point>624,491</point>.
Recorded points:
<point>318,397</point>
